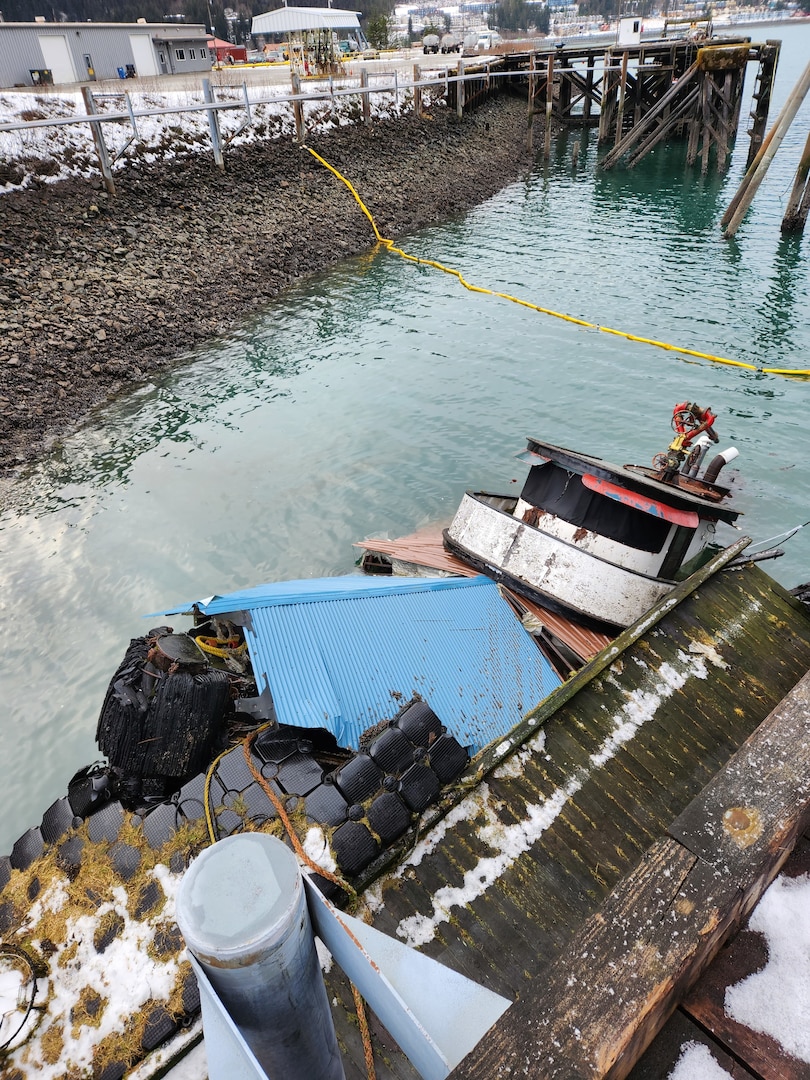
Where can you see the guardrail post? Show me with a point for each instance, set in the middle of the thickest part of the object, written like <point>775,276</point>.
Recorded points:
<point>417,91</point>
<point>365,97</point>
<point>213,124</point>
<point>460,90</point>
<point>98,139</point>
<point>298,106</point>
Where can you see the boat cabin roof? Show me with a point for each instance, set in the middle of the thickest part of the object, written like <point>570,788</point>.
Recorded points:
<point>683,493</point>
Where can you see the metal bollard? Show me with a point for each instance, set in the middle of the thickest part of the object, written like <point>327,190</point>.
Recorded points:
<point>242,911</point>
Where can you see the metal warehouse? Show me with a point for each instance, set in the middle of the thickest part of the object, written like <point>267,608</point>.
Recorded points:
<point>33,54</point>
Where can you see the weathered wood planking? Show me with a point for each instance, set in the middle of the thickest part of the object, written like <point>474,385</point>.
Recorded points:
<point>604,1000</point>
<point>701,678</point>
<point>745,954</point>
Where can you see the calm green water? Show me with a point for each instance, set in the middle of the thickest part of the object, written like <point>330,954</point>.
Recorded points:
<point>368,400</point>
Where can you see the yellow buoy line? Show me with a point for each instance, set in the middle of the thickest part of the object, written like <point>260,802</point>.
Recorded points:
<point>390,246</point>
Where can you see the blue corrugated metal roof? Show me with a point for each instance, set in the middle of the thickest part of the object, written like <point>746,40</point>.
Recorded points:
<point>344,653</point>
<point>306,591</point>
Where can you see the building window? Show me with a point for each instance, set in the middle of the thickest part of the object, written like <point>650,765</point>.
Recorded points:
<point>180,54</point>
<point>203,54</point>
<point>192,54</point>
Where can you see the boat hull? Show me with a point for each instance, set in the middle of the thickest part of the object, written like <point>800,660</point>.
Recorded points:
<point>550,570</point>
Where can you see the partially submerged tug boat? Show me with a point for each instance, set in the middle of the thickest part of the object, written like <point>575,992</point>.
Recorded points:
<point>370,787</point>
<point>598,542</point>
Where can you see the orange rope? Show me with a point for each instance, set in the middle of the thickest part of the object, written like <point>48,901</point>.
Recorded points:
<point>288,825</point>
<point>362,1021</point>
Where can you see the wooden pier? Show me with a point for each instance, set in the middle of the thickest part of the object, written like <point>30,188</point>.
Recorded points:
<point>641,95</point>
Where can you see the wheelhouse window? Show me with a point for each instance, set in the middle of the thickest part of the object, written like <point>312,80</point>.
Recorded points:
<point>192,54</point>
<point>203,53</point>
<point>552,488</point>
<point>180,54</point>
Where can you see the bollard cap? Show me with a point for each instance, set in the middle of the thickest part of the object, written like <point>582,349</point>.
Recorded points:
<point>239,898</point>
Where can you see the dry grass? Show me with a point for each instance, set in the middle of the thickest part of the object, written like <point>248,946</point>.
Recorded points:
<point>88,1010</point>
<point>52,1042</point>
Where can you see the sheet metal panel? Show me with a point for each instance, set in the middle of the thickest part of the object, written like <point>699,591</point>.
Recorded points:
<point>424,548</point>
<point>304,591</point>
<point>293,20</point>
<point>349,660</point>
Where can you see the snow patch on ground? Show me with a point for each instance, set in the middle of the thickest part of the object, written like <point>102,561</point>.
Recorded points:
<point>48,153</point>
<point>697,1063</point>
<point>776,1000</point>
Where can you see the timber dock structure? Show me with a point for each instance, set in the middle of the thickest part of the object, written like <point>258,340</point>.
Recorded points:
<point>639,95</point>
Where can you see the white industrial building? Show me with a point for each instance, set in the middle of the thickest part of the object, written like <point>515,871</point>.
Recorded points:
<point>63,53</point>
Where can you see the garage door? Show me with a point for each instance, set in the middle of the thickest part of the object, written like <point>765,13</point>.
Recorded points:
<point>143,54</point>
<point>57,57</point>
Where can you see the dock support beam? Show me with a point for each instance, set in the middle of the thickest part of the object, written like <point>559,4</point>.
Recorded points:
<point>549,104</point>
<point>799,203</point>
<point>738,206</point>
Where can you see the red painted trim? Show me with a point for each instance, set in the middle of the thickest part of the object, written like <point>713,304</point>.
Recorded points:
<point>687,518</point>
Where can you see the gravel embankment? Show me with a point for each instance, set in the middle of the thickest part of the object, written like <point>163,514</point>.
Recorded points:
<point>99,291</point>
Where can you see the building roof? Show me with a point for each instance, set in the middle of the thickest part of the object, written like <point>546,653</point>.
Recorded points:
<point>166,31</point>
<point>345,653</point>
<point>292,20</point>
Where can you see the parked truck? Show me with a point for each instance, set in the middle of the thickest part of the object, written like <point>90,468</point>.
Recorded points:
<point>430,43</point>
<point>451,43</point>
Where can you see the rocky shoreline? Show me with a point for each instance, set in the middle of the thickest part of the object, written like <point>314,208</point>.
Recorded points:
<point>98,292</point>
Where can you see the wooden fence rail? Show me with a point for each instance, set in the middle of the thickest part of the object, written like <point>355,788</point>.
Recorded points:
<point>464,91</point>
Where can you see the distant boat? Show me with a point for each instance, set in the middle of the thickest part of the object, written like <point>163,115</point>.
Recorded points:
<point>597,542</point>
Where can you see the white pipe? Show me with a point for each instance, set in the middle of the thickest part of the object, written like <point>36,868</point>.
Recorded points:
<point>242,911</point>
<point>718,462</point>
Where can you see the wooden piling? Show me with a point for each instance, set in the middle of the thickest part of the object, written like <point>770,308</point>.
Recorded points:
<point>98,140</point>
<point>532,91</point>
<point>622,95</point>
<point>588,102</point>
<point>606,111</point>
<point>460,89</point>
<point>738,206</point>
<point>799,203</point>
<point>761,98</point>
<point>549,104</point>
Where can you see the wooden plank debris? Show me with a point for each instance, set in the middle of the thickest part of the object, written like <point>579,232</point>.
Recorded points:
<point>745,954</point>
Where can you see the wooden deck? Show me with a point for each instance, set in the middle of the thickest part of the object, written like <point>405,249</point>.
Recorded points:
<point>583,815</point>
